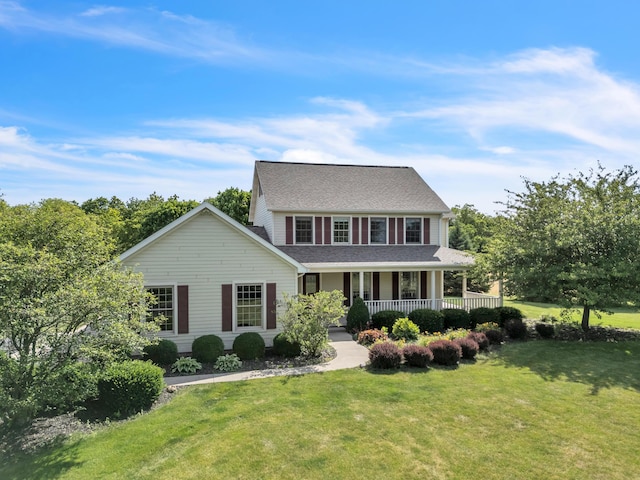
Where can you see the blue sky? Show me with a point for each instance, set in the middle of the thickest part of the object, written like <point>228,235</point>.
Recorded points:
<point>180,98</point>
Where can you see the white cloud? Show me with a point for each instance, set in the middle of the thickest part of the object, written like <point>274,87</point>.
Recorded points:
<point>100,10</point>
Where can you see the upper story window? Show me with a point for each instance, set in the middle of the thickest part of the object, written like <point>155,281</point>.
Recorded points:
<point>341,230</point>
<point>304,230</point>
<point>378,230</point>
<point>412,228</point>
<point>163,307</point>
<point>249,305</point>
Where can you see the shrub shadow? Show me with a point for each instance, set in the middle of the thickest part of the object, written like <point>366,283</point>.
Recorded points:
<point>599,365</point>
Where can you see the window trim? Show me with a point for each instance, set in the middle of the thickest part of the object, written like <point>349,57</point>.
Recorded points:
<point>333,229</point>
<point>295,229</point>
<point>174,305</point>
<point>263,313</point>
<point>386,226</point>
<point>421,240</point>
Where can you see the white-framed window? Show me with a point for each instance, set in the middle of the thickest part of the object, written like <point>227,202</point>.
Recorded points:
<point>163,308</point>
<point>378,230</point>
<point>408,285</point>
<point>304,229</point>
<point>341,229</point>
<point>249,303</point>
<point>366,285</point>
<point>412,230</point>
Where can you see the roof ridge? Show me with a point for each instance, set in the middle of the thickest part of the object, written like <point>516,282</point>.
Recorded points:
<point>331,164</point>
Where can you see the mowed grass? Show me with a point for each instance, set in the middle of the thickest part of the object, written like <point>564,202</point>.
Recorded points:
<point>621,317</point>
<point>541,409</point>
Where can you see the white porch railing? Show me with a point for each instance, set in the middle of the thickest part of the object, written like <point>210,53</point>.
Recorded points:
<point>473,300</point>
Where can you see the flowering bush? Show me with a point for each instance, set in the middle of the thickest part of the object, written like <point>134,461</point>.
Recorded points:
<point>385,355</point>
<point>468,347</point>
<point>417,355</point>
<point>484,327</point>
<point>369,337</point>
<point>445,352</point>
<point>186,365</point>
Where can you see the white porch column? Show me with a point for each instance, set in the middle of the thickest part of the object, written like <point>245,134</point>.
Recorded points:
<point>464,284</point>
<point>432,289</point>
<point>361,285</point>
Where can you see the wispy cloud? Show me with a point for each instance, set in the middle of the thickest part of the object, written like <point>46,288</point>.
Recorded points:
<point>100,10</point>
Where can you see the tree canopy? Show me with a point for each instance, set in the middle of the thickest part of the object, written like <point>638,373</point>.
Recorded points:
<point>234,202</point>
<point>573,241</point>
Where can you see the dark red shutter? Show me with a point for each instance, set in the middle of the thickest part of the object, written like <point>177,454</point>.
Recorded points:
<point>392,231</point>
<point>395,285</point>
<point>426,228</point>
<point>423,284</point>
<point>376,285</point>
<point>227,307</point>
<point>271,306</point>
<point>355,237</point>
<point>318,221</point>
<point>365,230</point>
<point>346,281</point>
<point>400,231</point>
<point>327,230</point>
<point>288,223</point>
<point>183,308</point>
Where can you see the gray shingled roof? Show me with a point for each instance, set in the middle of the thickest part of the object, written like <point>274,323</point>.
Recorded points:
<point>415,255</point>
<point>310,187</point>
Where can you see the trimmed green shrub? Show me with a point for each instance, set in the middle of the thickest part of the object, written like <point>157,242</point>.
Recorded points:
<point>357,316</point>
<point>480,338</point>
<point>417,355</point>
<point>68,388</point>
<point>249,346</point>
<point>496,337</point>
<point>385,355</point>
<point>207,349</point>
<point>369,337</point>
<point>285,348</point>
<point>428,320</point>
<point>186,365</point>
<point>508,313</point>
<point>456,318</point>
<point>228,363</point>
<point>468,346</point>
<point>483,315</point>
<point>164,353</point>
<point>405,329</point>
<point>129,387</point>
<point>516,329</point>
<point>385,318</point>
<point>545,330</point>
<point>445,352</point>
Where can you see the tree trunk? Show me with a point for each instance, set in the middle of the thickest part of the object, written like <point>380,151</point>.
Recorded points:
<point>585,318</point>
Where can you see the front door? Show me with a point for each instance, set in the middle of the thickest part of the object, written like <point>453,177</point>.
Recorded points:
<point>310,283</point>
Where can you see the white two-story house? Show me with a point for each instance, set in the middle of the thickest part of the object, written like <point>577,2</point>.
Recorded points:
<point>375,232</point>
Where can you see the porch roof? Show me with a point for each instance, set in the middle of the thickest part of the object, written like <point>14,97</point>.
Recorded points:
<point>332,258</point>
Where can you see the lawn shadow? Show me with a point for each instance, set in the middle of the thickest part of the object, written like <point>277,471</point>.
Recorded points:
<point>599,365</point>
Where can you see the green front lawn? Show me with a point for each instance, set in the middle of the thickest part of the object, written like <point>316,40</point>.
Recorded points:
<point>621,318</point>
<point>540,409</point>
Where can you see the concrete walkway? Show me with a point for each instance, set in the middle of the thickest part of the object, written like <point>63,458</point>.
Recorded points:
<point>349,355</point>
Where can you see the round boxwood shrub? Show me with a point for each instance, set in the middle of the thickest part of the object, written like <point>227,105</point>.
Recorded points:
<point>385,318</point>
<point>285,348</point>
<point>405,329</point>
<point>163,353</point>
<point>480,338</point>
<point>207,349</point>
<point>483,315</point>
<point>445,352</point>
<point>385,355</point>
<point>516,329</point>
<point>357,316</point>
<point>508,313</point>
<point>456,318</point>
<point>129,387</point>
<point>495,337</point>
<point>417,355</point>
<point>545,330</point>
<point>249,346</point>
<point>468,346</point>
<point>428,320</point>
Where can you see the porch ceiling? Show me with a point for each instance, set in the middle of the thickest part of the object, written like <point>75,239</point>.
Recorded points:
<point>378,257</point>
